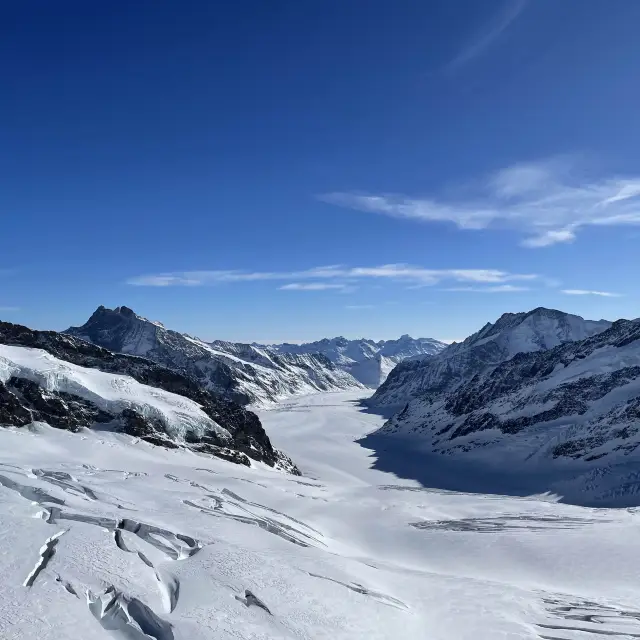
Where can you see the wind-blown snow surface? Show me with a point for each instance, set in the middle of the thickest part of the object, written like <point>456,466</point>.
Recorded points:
<point>105,537</point>
<point>368,361</point>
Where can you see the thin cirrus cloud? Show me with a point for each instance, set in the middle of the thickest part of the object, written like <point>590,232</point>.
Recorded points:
<point>546,201</point>
<point>485,38</point>
<point>336,277</point>
<point>588,292</point>
<point>501,288</point>
<point>312,286</point>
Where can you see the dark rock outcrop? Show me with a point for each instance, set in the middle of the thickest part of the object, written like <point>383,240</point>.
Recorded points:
<point>578,400</point>
<point>512,334</point>
<point>23,401</point>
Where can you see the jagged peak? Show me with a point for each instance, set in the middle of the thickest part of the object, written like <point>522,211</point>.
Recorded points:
<point>121,313</point>
<point>124,311</point>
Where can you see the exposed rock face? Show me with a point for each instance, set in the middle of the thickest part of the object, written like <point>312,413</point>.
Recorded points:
<point>512,333</point>
<point>366,360</point>
<point>242,372</point>
<point>578,401</point>
<point>23,401</point>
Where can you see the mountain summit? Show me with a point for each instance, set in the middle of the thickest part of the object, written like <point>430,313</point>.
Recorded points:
<point>245,373</point>
<point>512,333</point>
<point>573,410</point>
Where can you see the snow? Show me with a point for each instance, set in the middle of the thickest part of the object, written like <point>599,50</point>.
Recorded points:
<point>367,361</point>
<point>242,372</point>
<point>560,449</point>
<point>109,392</point>
<point>120,539</point>
<point>537,330</point>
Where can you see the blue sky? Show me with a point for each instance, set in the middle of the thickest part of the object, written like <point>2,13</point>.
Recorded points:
<point>289,170</point>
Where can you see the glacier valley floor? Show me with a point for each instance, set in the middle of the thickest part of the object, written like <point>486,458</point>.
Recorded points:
<point>107,537</point>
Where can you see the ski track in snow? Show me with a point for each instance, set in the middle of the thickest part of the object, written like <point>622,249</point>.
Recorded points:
<point>141,542</point>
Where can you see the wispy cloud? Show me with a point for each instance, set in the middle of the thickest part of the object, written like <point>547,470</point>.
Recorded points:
<point>544,200</point>
<point>587,292</point>
<point>358,307</point>
<point>489,34</point>
<point>334,277</point>
<point>163,280</point>
<point>312,286</point>
<point>502,288</point>
<point>9,309</point>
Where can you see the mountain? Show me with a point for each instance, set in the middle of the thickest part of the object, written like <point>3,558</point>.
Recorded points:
<point>512,333</point>
<point>577,404</point>
<point>72,384</point>
<point>245,373</point>
<point>367,361</point>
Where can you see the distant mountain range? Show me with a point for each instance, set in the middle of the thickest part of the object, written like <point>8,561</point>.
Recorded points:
<point>367,361</point>
<point>252,373</point>
<point>535,391</point>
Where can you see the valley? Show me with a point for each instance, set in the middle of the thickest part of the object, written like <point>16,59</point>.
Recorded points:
<point>139,500</point>
<point>107,537</point>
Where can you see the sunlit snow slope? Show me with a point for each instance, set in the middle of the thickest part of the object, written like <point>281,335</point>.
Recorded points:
<point>106,537</point>
<point>109,392</point>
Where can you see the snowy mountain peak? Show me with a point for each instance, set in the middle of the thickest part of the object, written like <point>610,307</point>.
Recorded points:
<point>366,360</point>
<point>546,324</point>
<point>512,333</point>
<point>578,402</point>
<point>242,372</point>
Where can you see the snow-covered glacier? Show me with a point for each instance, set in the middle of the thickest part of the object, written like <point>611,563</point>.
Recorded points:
<point>105,536</point>
<point>109,392</point>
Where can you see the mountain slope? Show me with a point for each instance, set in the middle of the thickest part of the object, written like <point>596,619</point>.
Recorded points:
<point>244,373</point>
<point>575,407</point>
<point>72,384</point>
<point>512,333</point>
<point>366,360</point>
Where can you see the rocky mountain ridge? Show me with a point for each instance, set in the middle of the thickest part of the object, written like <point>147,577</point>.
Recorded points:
<point>368,361</point>
<point>512,333</point>
<point>27,396</point>
<point>244,373</point>
<point>573,409</point>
